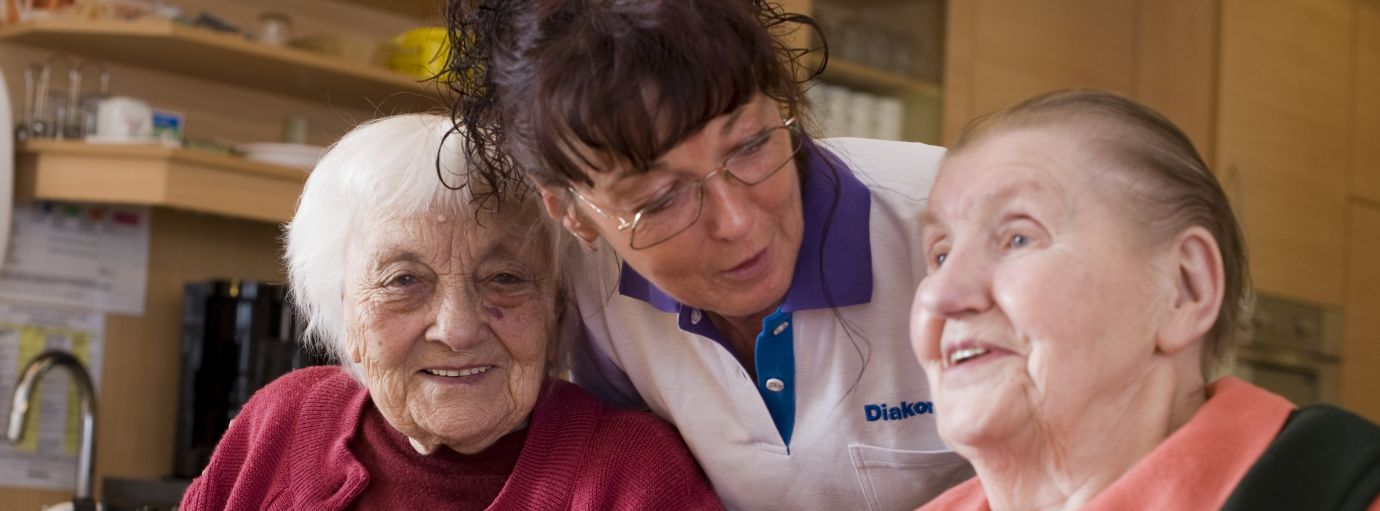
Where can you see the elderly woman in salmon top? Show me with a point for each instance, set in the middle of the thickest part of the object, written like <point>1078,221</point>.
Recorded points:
<point>1086,277</point>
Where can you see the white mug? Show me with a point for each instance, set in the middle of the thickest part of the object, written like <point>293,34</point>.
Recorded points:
<point>123,119</point>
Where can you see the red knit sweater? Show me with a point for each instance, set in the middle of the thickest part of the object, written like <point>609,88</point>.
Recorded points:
<point>290,449</point>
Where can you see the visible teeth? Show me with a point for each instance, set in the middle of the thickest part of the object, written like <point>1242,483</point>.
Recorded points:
<point>463,372</point>
<point>964,354</point>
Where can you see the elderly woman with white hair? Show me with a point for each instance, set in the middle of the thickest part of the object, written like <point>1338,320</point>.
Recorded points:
<point>447,319</point>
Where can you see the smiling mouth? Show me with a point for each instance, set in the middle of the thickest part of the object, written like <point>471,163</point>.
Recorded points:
<point>458,373</point>
<point>960,356</point>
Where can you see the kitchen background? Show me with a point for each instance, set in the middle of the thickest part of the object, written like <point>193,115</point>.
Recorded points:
<point>1282,97</point>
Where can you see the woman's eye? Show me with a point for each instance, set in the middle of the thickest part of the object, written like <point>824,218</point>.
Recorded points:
<point>752,146</point>
<point>663,201</point>
<point>939,260</point>
<point>401,281</point>
<point>506,279</point>
<point>1019,240</point>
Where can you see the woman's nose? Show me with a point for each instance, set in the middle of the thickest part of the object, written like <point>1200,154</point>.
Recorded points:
<point>460,321</point>
<point>727,209</point>
<point>961,287</point>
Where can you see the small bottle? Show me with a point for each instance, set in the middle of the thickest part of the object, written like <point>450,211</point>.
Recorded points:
<point>295,129</point>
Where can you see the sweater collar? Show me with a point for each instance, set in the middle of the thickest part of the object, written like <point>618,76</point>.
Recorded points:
<point>329,417</point>
<point>1197,467</point>
<point>1200,464</point>
<point>561,427</point>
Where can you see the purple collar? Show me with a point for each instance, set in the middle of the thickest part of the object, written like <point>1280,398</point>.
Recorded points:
<point>846,251</point>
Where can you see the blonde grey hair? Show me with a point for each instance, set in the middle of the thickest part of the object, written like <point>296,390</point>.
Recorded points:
<point>383,169</point>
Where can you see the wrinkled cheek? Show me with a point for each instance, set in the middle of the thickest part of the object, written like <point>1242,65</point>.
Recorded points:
<point>526,332</point>
<point>1045,302</point>
<point>387,387</point>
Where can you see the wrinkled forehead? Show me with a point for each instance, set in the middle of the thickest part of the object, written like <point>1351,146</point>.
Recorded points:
<point>1006,164</point>
<point>1068,172</point>
<point>440,231</point>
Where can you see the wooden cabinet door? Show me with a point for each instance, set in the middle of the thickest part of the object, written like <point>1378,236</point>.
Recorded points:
<point>998,52</point>
<point>1361,347</point>
<point>1365,170</point>
<point>1284,139</point>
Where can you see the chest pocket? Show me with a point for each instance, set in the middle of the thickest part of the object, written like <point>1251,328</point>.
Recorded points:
<point>894,479</point>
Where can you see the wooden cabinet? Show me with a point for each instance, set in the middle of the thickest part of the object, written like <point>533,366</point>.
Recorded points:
<point>1284,139</point>
<point>1002,51</point>
<point>1361,346</point>
<point>1281,97</point>
<point>1365,173</point>
<point>1263,89</point>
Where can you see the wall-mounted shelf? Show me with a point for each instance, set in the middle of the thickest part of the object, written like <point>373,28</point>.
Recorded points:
<point>228,58</point>
<point>154,175</point>
<point>420,9</point>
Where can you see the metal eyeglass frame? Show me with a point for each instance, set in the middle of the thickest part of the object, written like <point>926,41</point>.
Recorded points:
<point>722,168</point>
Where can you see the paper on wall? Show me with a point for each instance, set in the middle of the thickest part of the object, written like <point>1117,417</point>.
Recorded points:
<point>84,256</point>
<point>47,455</point>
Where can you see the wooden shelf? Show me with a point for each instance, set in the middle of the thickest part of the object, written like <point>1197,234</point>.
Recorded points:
<point>429,10</point>
<point>229,58</point>
<point>155,175</point>
<point>871,79</point>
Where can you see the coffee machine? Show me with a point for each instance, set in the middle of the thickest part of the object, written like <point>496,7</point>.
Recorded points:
<point>237,336</point>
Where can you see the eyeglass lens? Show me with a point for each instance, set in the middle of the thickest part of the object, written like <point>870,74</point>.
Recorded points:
<point>677,210</point>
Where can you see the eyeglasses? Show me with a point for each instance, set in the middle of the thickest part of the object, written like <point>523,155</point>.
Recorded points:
<point>675,209</point>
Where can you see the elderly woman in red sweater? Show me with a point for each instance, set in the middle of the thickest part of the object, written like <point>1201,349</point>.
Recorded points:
<point>1086,277</point>
<point>447,319</point>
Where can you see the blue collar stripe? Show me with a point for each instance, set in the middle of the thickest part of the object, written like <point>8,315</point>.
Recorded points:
<point>775,361</point>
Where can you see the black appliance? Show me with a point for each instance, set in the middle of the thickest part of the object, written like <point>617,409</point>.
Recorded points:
<point>237,336</point>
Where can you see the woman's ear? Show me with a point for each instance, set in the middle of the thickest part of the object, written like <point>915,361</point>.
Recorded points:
<point>559,207</point>
<point>1198,288</point>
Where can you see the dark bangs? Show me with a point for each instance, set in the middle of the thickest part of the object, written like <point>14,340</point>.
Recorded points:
<point>619,83</point>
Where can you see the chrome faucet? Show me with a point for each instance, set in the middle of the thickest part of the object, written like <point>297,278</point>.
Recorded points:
<point>86,394</point>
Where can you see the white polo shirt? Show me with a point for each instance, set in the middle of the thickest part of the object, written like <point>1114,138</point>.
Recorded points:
<point>839,416</point>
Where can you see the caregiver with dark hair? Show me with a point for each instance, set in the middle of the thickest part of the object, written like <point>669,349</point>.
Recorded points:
<point>742,280</point>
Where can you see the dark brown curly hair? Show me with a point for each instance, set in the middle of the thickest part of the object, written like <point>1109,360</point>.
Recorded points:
<point>553,89</point>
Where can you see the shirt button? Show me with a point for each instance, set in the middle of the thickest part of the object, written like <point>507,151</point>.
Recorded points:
<point>780,328</point>
<point>776,385</point>
<point>695,316</point>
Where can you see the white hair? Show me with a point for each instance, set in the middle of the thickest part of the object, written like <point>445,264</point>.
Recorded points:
<point>386,168</point>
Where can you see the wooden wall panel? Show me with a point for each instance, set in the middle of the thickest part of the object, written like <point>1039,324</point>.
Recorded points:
<point>1361,347</point>
<point>1033,47</point>
<point>1176,65</point>
<point>1161,52</point>
<point>1365,173</point>
<point>959,86</point>
<point>1283,140</point>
